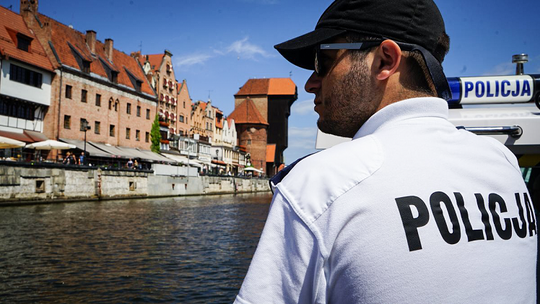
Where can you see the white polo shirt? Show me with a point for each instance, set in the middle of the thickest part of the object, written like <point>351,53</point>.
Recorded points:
<point>412,210</point>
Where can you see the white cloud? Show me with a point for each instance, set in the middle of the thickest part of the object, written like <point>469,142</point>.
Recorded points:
<point>193,59</point>
<point>506,68</point>
<point>244,49</point>
<point>241,48</point>
<point>301,134</point>
<point>301,143</point>
<point>303,107</point>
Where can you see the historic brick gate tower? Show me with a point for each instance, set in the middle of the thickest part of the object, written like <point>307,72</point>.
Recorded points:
<point>262,109</point>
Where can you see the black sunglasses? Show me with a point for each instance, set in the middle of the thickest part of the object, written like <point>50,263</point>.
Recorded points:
<point>434,67</point>
<point>319,67</point>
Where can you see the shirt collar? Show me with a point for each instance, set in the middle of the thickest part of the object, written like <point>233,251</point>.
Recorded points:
<point>404,109</point>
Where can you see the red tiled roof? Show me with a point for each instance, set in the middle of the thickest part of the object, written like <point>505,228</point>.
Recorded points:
<point>11,24</point>
<point>202,104</point>
<point>247,113</point>
<point>63,36</point>
<point>270,153</point>
<point>268,86</point>
<point>155,61</point>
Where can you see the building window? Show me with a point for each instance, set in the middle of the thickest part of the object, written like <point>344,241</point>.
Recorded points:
<point>111,130</point>
<point>110,103</point>
<point>84,95</point>
<point>68,91</point>
<point>116,103</point>
<point>67,122</point>
<point>86,66</point>
<point>97,127</point>
<point>138,135</point>
<point>249,141</point>
<point>147,137</point>
<point>184,104</point>
<point>147,113</point>
<point>128,109</point>
<point>181,118</point>
<point>98,100</point>
<point>128,132</point>
<point>26,76</point>
<point>138,111</point>
<point>23,42</point>
<point>17,109</point>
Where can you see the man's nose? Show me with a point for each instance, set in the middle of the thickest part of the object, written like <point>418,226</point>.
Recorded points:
<point>313,83</point>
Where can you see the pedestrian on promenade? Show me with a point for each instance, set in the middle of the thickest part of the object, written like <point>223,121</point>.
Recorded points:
<point>69,159</point>
<point>82,159</point>
<point>129,164</point>
<point>411,210</point>
<point>135,164</point>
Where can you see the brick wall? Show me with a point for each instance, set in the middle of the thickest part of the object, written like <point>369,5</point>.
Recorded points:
<point>257,148</point>
<point>261,102</point>
<point>184,108</point>
<point>117,115</point>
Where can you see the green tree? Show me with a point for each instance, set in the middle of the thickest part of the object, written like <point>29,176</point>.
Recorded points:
<point>155,135</point>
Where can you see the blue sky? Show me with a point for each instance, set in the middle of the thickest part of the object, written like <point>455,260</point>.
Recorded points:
<point>217,45</point>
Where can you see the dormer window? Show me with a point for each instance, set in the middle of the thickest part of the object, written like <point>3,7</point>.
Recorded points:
<point>23,42</point>
<point>86,66</point>
<point>136,82</point>
<point>112,74</point>
<point>82,61</point>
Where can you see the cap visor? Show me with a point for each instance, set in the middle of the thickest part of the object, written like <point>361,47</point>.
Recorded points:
<point>299,51</point>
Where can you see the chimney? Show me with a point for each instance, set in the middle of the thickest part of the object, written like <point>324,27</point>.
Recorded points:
<point>91,40</point>
<point>109,49</point>
<point>28,5</point>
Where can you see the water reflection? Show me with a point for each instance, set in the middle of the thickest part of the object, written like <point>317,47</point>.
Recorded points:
<point>187,250</point>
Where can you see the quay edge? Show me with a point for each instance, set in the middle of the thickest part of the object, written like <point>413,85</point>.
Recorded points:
<point>38,183</point>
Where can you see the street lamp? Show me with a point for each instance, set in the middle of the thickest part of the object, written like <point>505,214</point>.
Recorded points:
<point>85,127</point>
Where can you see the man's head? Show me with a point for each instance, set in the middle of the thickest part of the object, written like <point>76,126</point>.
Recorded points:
<point>367,54</point>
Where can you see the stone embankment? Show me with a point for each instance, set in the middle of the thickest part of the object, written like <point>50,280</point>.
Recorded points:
<point>22,183</point>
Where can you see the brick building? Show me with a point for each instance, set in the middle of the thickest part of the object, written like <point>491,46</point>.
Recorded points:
<point>94,85</point>
<point>251,128</point>
<point>273,98</point>
<point>174,102</point>
<point>183,123</point>
<point>203,116</point>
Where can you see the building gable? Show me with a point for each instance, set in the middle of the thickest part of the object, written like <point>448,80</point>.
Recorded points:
<point>247,113</point>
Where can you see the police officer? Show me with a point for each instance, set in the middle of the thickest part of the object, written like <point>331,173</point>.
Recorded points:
<point>411,210</point>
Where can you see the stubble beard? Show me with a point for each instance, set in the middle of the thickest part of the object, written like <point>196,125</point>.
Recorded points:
<point>350,104</point>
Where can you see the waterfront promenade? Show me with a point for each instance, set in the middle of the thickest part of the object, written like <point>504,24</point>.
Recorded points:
<point>22,183</point>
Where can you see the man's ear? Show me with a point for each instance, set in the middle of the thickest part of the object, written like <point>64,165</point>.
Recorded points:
<point>387,58</point>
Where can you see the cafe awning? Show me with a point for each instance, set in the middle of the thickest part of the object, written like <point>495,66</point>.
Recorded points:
<point>176,158</point>
<point>154,156</point>
<point>91,150</point>
<point>112,150</point>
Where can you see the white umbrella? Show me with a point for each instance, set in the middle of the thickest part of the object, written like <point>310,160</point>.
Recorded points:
<point>49,145</point>
<point>253,169</point>
<point>6,143</point>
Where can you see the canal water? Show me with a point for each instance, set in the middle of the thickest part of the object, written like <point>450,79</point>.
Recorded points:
<point>179,250</point>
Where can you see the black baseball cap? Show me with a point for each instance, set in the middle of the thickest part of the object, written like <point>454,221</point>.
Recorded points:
<point>416,25</point>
